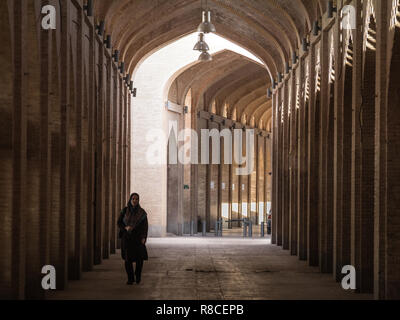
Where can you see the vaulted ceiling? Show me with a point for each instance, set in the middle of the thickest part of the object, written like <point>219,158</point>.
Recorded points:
<point>270,29</point>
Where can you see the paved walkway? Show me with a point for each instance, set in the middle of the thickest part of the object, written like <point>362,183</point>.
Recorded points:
<point>230,268</point>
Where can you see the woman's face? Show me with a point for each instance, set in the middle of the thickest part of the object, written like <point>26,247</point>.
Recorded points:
<point>135,200</point>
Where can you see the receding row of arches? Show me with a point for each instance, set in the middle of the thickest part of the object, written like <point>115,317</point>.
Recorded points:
<point>339,149</point>
<point>328,133</point>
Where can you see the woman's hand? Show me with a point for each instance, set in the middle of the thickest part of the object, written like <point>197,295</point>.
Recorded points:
<point>143,241</point>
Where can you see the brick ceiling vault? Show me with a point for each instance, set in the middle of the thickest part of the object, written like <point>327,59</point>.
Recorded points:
<point>270,29</point>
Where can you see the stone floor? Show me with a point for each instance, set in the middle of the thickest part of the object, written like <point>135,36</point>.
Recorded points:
<point>197,268</point>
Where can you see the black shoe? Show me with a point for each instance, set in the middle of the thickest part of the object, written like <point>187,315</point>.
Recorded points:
<point>138,280</point>
<point>129,283</point>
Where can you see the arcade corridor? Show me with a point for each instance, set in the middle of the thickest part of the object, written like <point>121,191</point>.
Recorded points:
<point>296,123</point>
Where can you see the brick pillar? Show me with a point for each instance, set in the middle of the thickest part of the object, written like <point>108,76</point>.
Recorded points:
<point>75,149</point>
<point>252,181</point>
<point>380,225</point>
<point>330,174</point>
<point>248,179</point>
<point>72,144</point>
<point>194,168</point>
<point>90,93</point>
<point>129,141</point>
<point>100,150</point>
<point>107,156</point>
<point>261,176</point>
<point>279,170</point>
<point>256,197</point>
<point>363,164</point>
<point>230,179</point>
<point>313,163</point>
<point>115,208</point>
<point>12,149</point>
<point>120,202</point>
<point>325,230</point>
<point>293,183</point>
<point>285,168</point>
<point>338,155</point>
<point>84,105</point>
<point>365,244</point>
<point>208,185</point>
<point>125,196</point>
<point>274,156</point>
<point>393,176</point>
<point>219,182</point>
<point>35,208</point>
<point>267,172</point>
<point>387,128</point>
<point>237,190</point>
<point>302,172</point>
<point>214,179</point>
<point>346,171</point>
<point>225,178</point>
<point>356,141</point>
<point>64,152</point>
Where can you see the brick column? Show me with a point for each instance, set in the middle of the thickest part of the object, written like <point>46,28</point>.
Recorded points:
<point>366,244</point>
<point>129,144</point>
<point>275,135</point>
<point>77,150</point>
<point>119,121</point>
<point>324,227</point>
<point>13,102</point>
<point>194,168</point>
<point>356,140</point>
<point>387,127</point>
<point>338,155</point>
<point>213,179</point>
<point>99,180</point>
<point>261,170</point>
<point>65,64</point>
<point>90,92</point>
<point>330,169</point>
<point>293,167</point>
<point>279,169</point>
<point>393,177</point>
<point>36,208</point>
<point>230,178</point>
<point>380,216</point>
<point>125,195</point>
<point>107,155</point>
<point>313,163</point>
<point>363,159</point>
<point>285,168</point>
<point>267,173</point>
<point>302,160</point>
<point>115,208</point>
<point>235,184</point>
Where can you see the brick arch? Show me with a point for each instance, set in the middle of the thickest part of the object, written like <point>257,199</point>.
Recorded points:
<point>139,27</point>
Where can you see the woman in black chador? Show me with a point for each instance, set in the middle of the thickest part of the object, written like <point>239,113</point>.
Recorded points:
<point>133,227</point>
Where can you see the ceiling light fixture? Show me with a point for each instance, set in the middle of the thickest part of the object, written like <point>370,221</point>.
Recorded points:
<point>201,45</point>
<point>205,56</point>
<point>206,26</point>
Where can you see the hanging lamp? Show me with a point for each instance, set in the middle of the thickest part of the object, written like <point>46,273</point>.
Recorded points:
<point>206,25</point>
<point>201,45</point>
<point>205,56</point>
